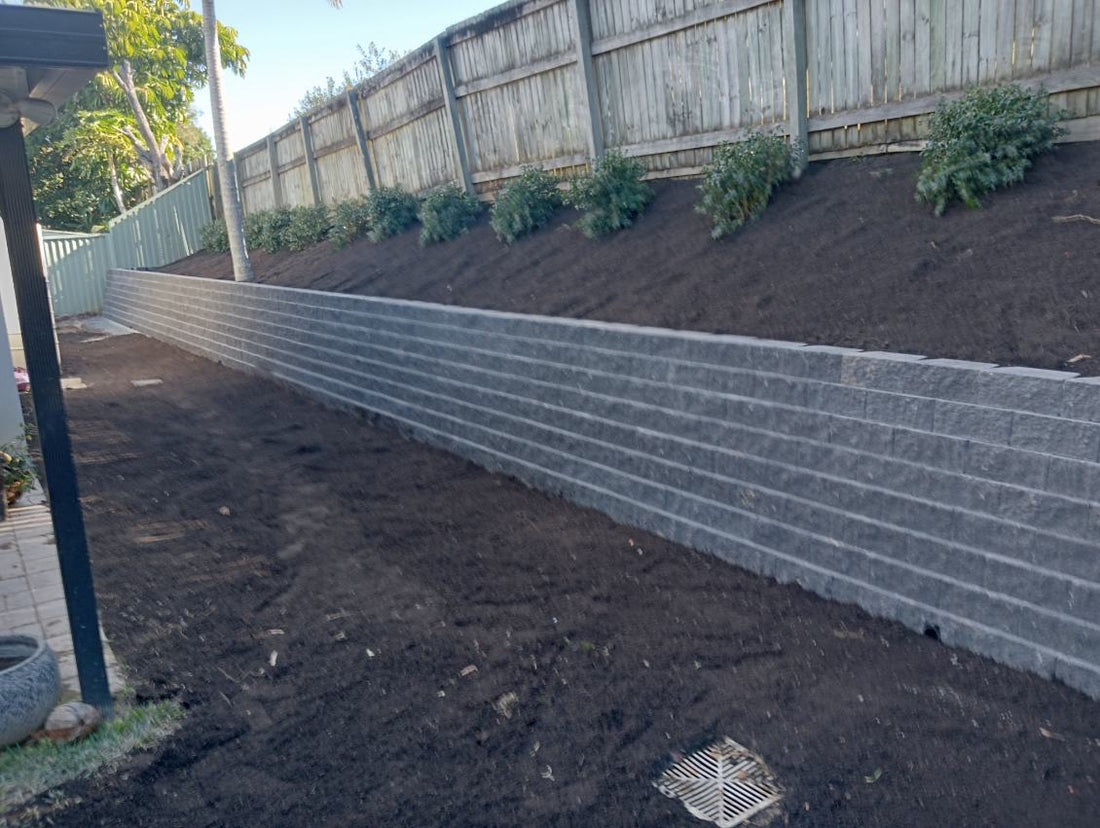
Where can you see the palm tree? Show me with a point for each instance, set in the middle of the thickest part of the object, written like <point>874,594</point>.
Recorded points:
<point>231,202</point>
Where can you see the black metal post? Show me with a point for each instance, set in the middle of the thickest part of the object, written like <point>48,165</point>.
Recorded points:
<point>36,321</point>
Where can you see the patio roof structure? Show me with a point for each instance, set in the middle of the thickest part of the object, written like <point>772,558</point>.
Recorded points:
<point>46,55</point>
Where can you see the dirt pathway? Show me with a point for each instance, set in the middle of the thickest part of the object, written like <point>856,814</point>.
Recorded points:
<point>315,590</point>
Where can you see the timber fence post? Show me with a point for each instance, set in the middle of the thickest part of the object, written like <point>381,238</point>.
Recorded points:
<point>451,102</point>
<point>794,49</point>
<point>311,162</point>
<point>273,162</point>
<point>582,36</point>
<point>360,135</point>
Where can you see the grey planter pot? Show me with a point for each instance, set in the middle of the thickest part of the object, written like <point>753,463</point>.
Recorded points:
<point>29,689</point>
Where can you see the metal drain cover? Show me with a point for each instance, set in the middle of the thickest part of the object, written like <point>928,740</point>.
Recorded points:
<point>723,783</point>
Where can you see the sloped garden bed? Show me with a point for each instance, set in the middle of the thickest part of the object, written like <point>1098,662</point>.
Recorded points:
<point>845,256</point>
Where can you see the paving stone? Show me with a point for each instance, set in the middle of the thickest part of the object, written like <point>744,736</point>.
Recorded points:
<point>47,594</point>
<point>17,600</point>
<point>52,609</point>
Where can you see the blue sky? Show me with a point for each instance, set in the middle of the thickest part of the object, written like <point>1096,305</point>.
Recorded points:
<point>297,44</point>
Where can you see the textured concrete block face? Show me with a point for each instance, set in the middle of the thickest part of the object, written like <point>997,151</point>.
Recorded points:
<point>933,491</point>
<point>1082,399</point>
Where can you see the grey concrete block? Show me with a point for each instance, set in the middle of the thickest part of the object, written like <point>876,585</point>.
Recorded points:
<point>986,425</point>
<point>936,451</point>
<point>860,434</point>
<point>1074,557</point>
<point>1082,399</point>
<point>1023,389</point>
<point>1077,673</point>
<point>837,399</point>
<point>980,532</point>
<point>1050,513</point>
<point>914,375</point>
<point>900,409</point>
<point>1073,478</point>
<point>1016,466</point>
<point>780,389</point>
<point>1056,435</point>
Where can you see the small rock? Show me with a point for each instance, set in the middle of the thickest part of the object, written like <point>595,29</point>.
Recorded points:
<point>71,721</point>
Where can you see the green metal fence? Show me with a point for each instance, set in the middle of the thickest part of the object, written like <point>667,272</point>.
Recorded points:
<point>158,231</point>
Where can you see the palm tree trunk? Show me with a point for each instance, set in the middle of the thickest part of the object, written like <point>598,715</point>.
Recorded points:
<point>231,203</point>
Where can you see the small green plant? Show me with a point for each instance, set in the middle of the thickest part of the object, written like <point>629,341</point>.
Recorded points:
<point>307,226</point>
<point>740,179</point>
<point>214,237</point>
<point>265,229</point>
<point>984,140</point>
<point>446,213</point>
<point>350,221</point>
<point>525,204</point>
<point>390,210</point>
<point>18,470</point>
<point>611,196</point>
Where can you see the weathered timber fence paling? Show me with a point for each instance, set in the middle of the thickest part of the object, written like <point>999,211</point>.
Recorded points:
<point>945,494</point>
<point>554,82</point>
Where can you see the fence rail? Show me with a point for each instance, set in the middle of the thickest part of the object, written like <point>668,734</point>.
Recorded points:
<point>160,230</point>
<point>554,82</point>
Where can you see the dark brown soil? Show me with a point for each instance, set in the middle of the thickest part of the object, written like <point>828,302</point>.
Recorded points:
<point>406,592</point>
<point>845,256</point>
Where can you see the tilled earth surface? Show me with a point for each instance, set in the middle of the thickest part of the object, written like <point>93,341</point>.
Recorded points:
<point>845,256</point>
<point>368,632</point>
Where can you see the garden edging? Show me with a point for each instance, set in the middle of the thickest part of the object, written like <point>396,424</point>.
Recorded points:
<point>953,496</point>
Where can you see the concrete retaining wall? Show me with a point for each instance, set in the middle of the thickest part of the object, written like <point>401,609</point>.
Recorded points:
<point>949,495</point>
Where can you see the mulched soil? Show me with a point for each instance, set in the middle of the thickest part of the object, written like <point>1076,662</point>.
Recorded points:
<point>845,256</point>
<point>231,520</point>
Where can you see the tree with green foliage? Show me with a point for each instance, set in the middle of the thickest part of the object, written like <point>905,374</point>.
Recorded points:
<point>144,100</point>
<point>372,60</point>
<point>84,169</point>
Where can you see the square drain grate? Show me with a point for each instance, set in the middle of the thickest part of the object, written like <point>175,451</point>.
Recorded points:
<point>723,783</point>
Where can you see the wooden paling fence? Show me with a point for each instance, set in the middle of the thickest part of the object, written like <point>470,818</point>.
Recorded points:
<point>555,82</point>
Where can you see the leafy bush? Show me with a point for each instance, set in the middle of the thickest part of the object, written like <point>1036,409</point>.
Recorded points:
<point>265,229</point>
<point>350,221</point>
<point>307,226</point>
<point>18,472</point>
<point>739,181</point>
<point>214,237</point>
<point>447,212</point>
<point>984,140</point>
<point>525,204</point>
<point>611,196</point>
<point>293,228</point>
<point>390,210</point>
